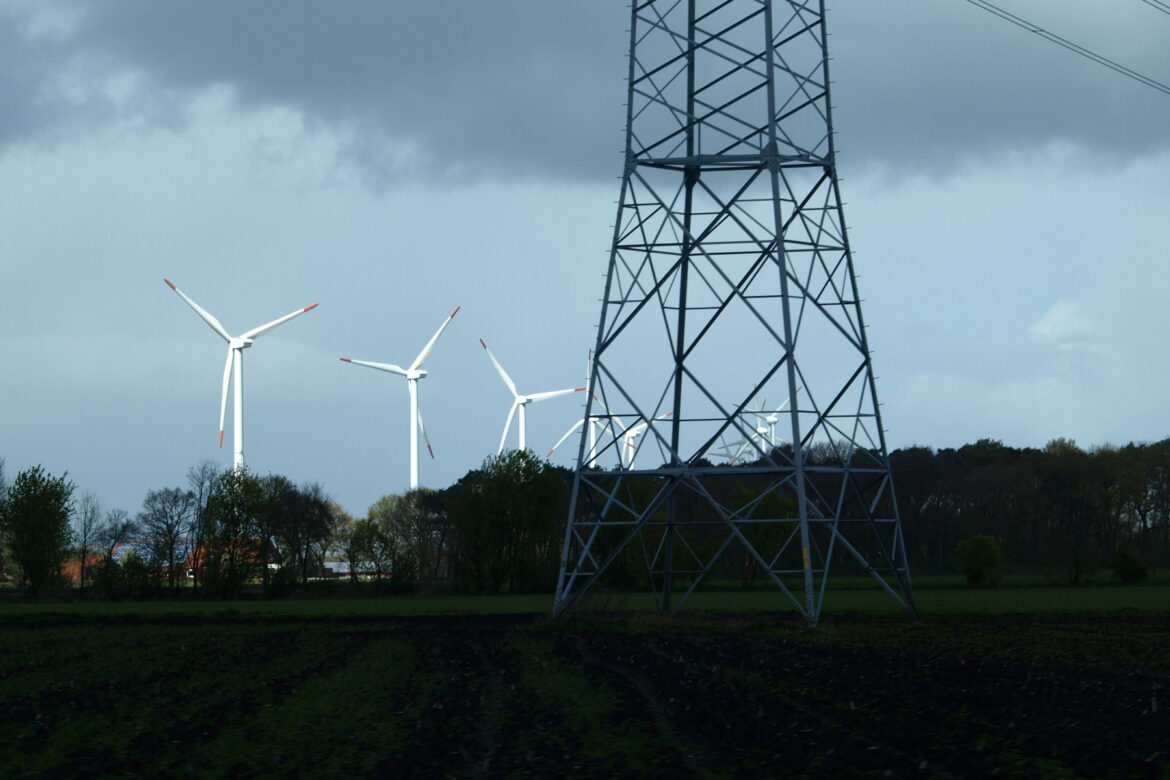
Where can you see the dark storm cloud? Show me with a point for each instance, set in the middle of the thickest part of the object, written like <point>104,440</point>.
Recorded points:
<point>931,85</point>
<point>536,87</point>
<point>487,87</point>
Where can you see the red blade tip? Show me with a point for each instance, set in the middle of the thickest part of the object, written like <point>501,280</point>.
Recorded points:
<point>484,345</point>
<point>346,360</point>
<point>170,283</point>
<point>221,440</point>
<point>311,306</point>
<point>431,451</point>
<point>457,308</point>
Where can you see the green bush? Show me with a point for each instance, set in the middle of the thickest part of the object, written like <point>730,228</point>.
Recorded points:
<point>1128,567</point>
<point>979,557</point>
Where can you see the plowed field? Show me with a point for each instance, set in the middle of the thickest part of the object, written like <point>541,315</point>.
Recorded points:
<point>496,696</point>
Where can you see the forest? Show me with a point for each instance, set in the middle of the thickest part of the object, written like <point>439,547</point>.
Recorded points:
<point>1060,509</point>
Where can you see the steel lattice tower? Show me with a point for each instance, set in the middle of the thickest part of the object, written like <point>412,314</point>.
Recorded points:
<point>731,312</point>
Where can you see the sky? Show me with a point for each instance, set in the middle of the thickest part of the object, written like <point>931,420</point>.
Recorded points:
<point>1006,203</point>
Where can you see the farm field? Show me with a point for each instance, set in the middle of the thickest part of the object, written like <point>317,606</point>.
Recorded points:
<point>330,692</point>
<point>933,595</point>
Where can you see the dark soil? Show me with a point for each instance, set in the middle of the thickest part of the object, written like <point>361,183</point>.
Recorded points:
<point>1015,696</point>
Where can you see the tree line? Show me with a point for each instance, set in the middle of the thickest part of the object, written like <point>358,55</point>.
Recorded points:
<point>221,531</point>
<point>498,528</point>
<point>1059,508</point>
<point>501,526</point>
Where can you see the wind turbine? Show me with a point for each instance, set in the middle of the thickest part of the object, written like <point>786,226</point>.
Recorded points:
<point>594,422</point>
<point>520,400</point>
<point>765,429</point>
<point>233,369</point>
<point>413,374</point>
<point>627,449</point>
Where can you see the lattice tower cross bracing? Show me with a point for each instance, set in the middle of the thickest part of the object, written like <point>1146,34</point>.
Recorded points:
<point>731,310</point>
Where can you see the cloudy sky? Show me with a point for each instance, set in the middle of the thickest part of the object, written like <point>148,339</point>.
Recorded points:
<point>1007,203</point>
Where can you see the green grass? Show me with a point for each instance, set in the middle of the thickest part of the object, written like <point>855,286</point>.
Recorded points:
<point>292,608</point>
<point>933,595</point>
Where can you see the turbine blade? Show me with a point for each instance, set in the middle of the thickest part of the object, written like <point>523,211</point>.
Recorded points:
<point>206,315</point>
<point>601,403</point>
<point>423,431</point>
<point>568,433</point>
<point>784,405</point>
<point>554,393</point>
<point>427,349</point>
<point>260,331</point>
<point>227,378</point>
<point>508,424</point>
<point>390,367</point>
<point>503,374</point>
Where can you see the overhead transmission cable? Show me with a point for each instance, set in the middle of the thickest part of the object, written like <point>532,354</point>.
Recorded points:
<point>1158,4</point>
<point>1081,50</point>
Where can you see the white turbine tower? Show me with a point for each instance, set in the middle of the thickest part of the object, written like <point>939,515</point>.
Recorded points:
<point>412,374</point>
<point>233,370</point>
<point>520,400</point>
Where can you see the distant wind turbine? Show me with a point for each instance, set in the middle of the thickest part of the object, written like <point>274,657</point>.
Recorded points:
<point>520,400</point>
<point>625,437</point>
<point>413,374</point>
<point>233,370</point>
<point>595,423</point>
<point>764,439</point>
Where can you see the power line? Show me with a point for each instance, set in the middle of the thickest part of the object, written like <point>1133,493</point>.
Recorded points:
<point>1158,4</point>
<point>1081,50</point>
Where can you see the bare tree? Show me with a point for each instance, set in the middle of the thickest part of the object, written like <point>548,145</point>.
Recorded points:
<point>420,519</point>
<point>87,524</point>
<point>201,479</point>
<point>117,528</point>
<point>3,495</point>
<point>322,523</point>
<point>165,519</point>
<point>302,521</point>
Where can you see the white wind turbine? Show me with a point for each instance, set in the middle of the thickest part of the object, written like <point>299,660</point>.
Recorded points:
<point>764,437</point>
<point>595,423</point>
<point>413,374</point>
<point>233,370</point>
<point>627,449</point>
<point>630,436</point>
<point>520,400</point>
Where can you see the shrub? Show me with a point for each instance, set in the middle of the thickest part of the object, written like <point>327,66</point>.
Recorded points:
<point>978,557</point>
<point>1127,567</point>
<point>34,524</point>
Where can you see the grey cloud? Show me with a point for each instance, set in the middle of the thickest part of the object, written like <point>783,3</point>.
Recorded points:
<point>25,71</point>
<point>513,87</point>
<point>533,88</point>
<point>935,85</point>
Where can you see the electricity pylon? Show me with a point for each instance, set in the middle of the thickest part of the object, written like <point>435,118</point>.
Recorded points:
<point>731,282</point>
